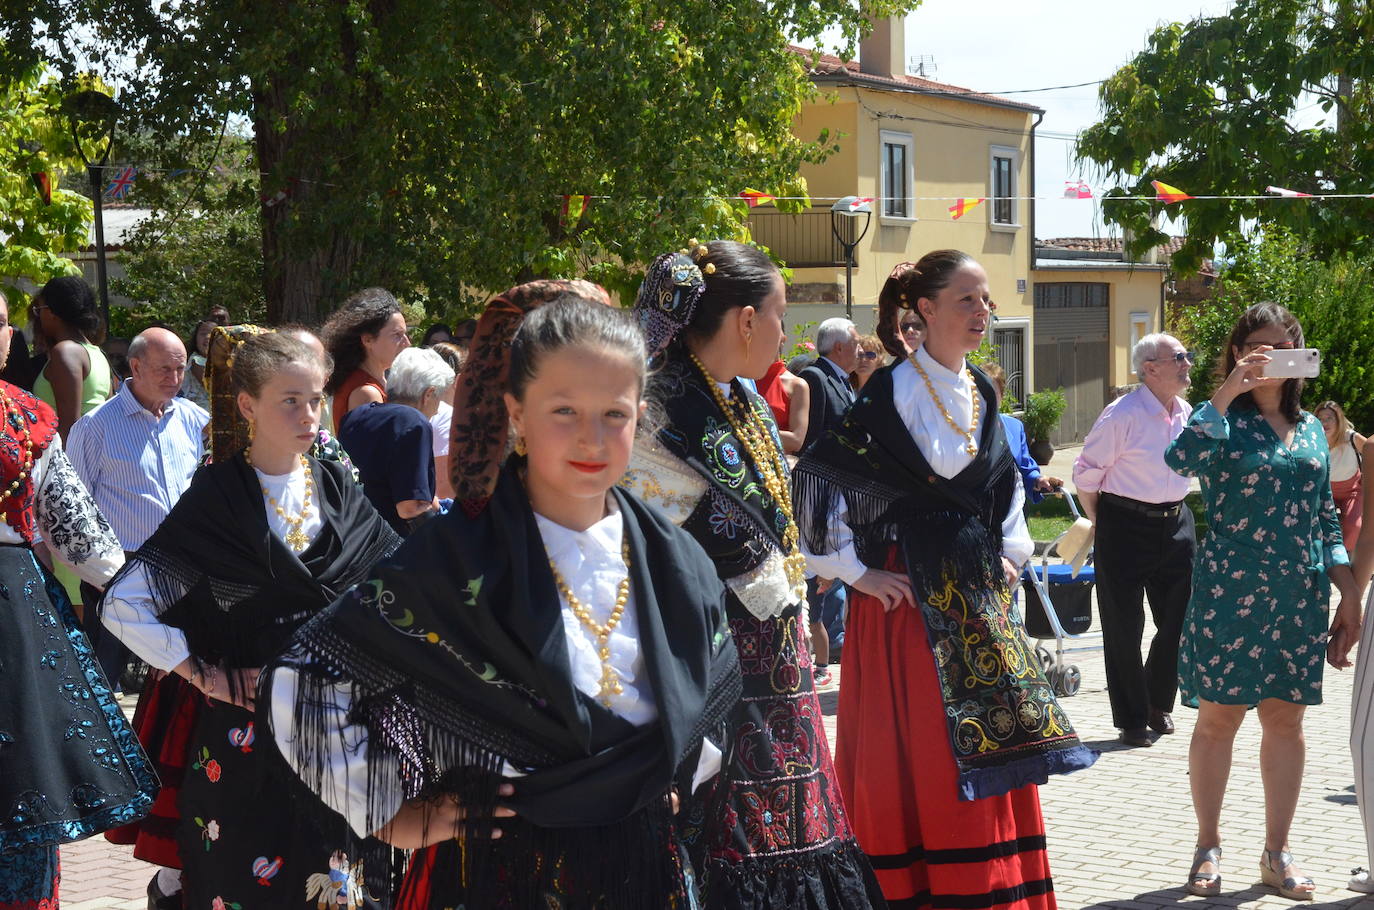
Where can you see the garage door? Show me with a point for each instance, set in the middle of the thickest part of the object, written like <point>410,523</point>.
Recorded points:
<point>1071,324</point>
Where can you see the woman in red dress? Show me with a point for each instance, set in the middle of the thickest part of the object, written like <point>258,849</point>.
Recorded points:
<point>946,721</point>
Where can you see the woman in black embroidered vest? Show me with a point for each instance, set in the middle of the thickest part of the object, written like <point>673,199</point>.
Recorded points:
<point>70,766</point>
<point>773,831</point>
<point>259,543</point>
<point>946,721</point>
<point>552,643</point>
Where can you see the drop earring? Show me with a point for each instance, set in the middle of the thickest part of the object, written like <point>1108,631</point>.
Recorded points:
<point>520,446</point>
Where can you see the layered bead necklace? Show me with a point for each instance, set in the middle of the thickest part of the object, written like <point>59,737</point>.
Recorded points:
<point>610,679</point>
<point>17,421</point>
<point>970,443</point>
<point>771,469</point>
<point>296,538</point>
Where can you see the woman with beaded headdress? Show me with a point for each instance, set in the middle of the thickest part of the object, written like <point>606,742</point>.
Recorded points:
<point>772,831</point>
<point>70,766</point>
<point>264,538</point>
<point>946,721</point>
<point>523,692</point>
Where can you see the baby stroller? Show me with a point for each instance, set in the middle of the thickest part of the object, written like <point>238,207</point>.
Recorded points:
<point>1058,607</point>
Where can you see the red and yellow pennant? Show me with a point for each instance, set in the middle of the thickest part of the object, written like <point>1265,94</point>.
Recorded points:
<point>574,206</point>
<point>1168,194</point>
<point>962,207</point>
<point>755,197</point>
<point>43,181</point>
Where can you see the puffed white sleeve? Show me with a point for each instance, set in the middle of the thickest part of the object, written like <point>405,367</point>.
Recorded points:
<point>70,522</point>
<point>342,751</point>
<point>128,614</point>
<point>843,561</point>
<point>1017,545</point>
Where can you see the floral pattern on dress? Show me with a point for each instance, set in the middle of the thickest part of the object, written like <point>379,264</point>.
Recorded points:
<point>1256,624</point>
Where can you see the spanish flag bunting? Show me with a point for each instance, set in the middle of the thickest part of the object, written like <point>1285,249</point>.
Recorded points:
<point>961,207</point>
<point>755,198</point>
<point>43,181</point>
<point>1289,194</point>
<point>574,206</point>
<point>1168,194</point>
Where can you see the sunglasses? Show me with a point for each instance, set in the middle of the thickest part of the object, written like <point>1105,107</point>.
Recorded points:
<point>1179,357</point>
<point>911,327</point>
<point>1281,346</point>
<point>868,355</point>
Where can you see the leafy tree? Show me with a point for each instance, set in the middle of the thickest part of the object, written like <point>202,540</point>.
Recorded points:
<point>1207,106</point>
<point>34,139</point>
<point>426,144</point>
<point>1332,299</point>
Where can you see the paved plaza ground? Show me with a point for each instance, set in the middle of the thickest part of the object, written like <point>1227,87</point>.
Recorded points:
<point>1121,834</point>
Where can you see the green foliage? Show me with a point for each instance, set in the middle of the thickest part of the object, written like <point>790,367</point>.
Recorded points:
<point>1042,412</point>
<point>33,138</point>
<point>426,146</point>
<point>804,332</point>
<point>1206,107</point>
<point>1332,299</point>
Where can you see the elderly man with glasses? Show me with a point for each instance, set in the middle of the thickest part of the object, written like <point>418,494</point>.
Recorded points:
<point>1145,536</point>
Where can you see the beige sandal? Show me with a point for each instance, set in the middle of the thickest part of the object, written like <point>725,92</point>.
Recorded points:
<point>1295,889</point>
<point>1205,884</point>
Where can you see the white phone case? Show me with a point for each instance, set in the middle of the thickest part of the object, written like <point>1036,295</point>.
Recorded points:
<point>1299,363</point>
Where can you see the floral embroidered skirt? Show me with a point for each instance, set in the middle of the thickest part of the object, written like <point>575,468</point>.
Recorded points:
<point>29,879</point>
<point>900,781</point>
<point>770,830</point>
<point>250,837</point>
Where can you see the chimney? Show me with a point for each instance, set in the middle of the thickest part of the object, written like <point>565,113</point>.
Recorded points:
<point>883,52</point>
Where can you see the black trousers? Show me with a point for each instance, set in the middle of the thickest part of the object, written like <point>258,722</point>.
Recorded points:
<point>1138,556</point>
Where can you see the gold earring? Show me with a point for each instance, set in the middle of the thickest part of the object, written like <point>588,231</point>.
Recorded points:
<point>252,426</point>
<point>520,446</point>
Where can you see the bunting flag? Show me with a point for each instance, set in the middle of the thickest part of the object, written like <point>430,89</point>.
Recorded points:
<point>123,182</point>
<point>961,207</point>
<point>43,181</point>
<point>1077,189</point>
<point>573,207</point>
<point>756,198</point>
<point>859,202</point>
<point>1291,194</point>
<point>1168,194</point>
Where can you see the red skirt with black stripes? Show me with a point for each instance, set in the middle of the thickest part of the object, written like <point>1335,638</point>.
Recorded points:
<point>897,774</point>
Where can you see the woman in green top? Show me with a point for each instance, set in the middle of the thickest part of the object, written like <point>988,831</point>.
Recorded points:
<point>77,376</point>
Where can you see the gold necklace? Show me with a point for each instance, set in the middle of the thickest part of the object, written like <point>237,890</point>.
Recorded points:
<point>8,406</point>
<point>610,680</point>
<point>971,446</point>
<point>771,469</point>
<point>296,538</point>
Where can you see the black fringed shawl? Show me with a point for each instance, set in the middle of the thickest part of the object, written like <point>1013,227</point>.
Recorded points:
<point>454,659</point>
<point>217,572</point>
<point>1004,725</point>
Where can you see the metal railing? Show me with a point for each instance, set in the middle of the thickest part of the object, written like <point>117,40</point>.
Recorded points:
<point>801,241</point>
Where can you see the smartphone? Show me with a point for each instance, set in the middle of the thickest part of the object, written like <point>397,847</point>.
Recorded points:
<point>1299,363</point>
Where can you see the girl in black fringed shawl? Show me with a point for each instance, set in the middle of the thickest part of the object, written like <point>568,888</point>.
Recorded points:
<point>260,542</point>
<point>523,689</point>
<point>946,722</point>
<point>771,832</point>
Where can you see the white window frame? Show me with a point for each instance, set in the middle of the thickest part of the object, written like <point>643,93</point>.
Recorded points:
<point>1024,324</point>
<point>1139,320</point>
<point>908,143</point>
<point>1014,155</point>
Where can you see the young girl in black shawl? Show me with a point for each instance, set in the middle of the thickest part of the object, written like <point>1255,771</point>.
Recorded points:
<point>260,542</point>
<point>553,644</point>
<point>946,721</point>
<point>771,832</point>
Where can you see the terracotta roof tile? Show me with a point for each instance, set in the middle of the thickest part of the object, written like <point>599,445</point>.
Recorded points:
<point>830,65</point>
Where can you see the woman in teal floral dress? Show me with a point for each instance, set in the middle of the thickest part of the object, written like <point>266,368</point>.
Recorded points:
<point>1255,632</point>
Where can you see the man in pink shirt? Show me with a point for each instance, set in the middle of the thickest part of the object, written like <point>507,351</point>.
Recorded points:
<point>1145,536</point>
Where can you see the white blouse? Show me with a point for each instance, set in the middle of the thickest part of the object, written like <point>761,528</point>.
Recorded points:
<point>946,451</point>
<point>1345,462</point>
<point>591,562</point>
<point>68,521</point>
<point>129,612</point>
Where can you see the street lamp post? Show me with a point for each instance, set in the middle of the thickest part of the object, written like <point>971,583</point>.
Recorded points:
<point>844,215</point>
<point>95,110</point>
